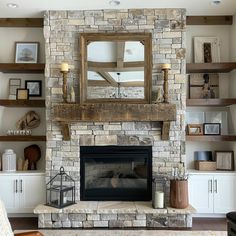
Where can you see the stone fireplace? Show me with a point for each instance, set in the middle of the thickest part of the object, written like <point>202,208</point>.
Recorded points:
<point>61,31</point>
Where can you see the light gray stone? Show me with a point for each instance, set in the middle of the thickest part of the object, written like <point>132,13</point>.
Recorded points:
<point>76,224</point>
<point>126,217</point>
<point>77,217</point>
<point>93,217</point>
<point>101,224</point>
<point>139,223</point>
<point>108,216</point>
<point>88,224</point>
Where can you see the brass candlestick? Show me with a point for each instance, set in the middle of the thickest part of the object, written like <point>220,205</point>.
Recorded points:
<point>64,88</point>
<point>165,69</point>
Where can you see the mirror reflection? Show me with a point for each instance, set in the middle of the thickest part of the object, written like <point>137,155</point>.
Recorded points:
<point>115,70</point>
<point>115,67</point>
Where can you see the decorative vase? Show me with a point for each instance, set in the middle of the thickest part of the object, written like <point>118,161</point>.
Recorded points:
<point>179,193</point>
<point>9,160</point>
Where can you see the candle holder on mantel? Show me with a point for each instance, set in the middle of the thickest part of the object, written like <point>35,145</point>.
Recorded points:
<point>159,190</point>
<point>165,68</point>
<point>64,71</point>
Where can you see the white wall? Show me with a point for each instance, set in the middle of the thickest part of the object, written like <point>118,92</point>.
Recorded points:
<point>9,116</point>
<point>227,37</point>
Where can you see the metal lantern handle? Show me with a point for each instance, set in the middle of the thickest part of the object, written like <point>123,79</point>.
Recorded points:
<point>62,171</point>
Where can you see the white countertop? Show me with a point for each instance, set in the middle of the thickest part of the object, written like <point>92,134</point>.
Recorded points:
<point>28,172</point>
<point>220,172</point>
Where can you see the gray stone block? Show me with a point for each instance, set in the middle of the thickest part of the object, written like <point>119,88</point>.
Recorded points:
<point>156,221</point>
<point>101,224</point>
<point>76,224</point>
<point>77,217</point>
<point>88,224</point>
<point>126,216</point>
<point>108,216</point>
<point>116,224</point>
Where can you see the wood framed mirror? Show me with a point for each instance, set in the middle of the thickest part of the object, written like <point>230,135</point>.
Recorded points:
<point>115,67</point>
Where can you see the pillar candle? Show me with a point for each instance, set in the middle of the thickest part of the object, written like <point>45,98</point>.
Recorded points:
<point>64,200</point>
<point>158,199</point>
<point>64,66</point>
<point>165,66</point>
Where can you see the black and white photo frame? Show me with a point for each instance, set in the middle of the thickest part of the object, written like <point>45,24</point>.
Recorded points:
<point>34,87</point>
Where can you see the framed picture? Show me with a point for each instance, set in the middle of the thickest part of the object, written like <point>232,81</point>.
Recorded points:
<point>218,117</point>
<point>194,129</point>
<point>26,52</point>
<point>206,49</point>
<point>224,160</point>
<point>211,129</point>
<point>34,87</point>
<point>22,94</point>
<point>14,84</point>
<point>195,117</point>
<point>203,86</point>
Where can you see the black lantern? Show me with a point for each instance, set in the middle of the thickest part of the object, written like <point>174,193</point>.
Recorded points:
<point>60,190</point>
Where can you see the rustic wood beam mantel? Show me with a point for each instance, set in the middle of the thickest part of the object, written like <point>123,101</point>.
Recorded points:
<point>114,112</point>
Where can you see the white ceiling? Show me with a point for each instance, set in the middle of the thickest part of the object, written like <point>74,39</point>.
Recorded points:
<point>35,8</point>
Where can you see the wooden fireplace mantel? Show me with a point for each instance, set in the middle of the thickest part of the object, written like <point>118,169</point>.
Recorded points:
<point>114,112</point>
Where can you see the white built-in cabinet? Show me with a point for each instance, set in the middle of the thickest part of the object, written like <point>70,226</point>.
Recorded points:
<point>213,192</point>
<point>21,192</point>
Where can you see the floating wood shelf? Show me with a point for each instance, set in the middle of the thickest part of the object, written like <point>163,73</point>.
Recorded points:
<point>209,20</point>
<point>114,112</point>
<point>211,102</point>
<point>21,22</point>
<point>22,138</point>
<point>22,103</point>
<point>22,68</point>
<point>222,67</point>
<point>210,138</point>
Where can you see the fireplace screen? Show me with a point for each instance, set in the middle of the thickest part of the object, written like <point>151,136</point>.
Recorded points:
<point>116,173</point>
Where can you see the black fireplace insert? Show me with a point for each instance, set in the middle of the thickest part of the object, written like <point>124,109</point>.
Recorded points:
<point>116,173</point>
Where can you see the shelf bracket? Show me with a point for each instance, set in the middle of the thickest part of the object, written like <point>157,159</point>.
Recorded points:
<point>65,131</point>
<point>165,130</point>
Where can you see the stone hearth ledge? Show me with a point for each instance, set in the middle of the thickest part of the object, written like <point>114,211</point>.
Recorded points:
<point>112,214</point>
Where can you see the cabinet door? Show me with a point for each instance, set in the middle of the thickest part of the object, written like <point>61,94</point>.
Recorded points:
<point>9,192</point>
<point>32,192</point>
<point>201,193</point>
<point>224,193</point>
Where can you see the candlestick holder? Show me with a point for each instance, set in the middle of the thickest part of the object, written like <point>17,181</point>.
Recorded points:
<point>165,70</point>
<point>64,87</point>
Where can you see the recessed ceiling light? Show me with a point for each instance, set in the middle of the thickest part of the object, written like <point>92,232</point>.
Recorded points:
<point>12,5</point>
<point>114,3</point>
<point>215,2</point>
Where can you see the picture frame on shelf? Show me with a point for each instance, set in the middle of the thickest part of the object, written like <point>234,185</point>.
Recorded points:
<point>206,49</point>
<point>203,86</point>
<point>22,94</point>
<point>195,117</point>
<point>34,87</point>
<point>14,84</point>
<point>211,128</point>
<point>218,117</point>
<point>224,160</point>
<point>195,129</point>
<point>26,52</point>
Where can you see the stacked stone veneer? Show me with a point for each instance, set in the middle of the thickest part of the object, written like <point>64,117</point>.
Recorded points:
<point>61,31</point>
<point>113,215</point>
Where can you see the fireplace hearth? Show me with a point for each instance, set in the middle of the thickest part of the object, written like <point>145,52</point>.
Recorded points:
<point>116,173</point>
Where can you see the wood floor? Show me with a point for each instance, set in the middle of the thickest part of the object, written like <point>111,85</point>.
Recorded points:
<point>214,224</point>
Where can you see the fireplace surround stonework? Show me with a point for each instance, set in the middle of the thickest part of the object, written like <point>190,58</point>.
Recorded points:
<point>61,32</point>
